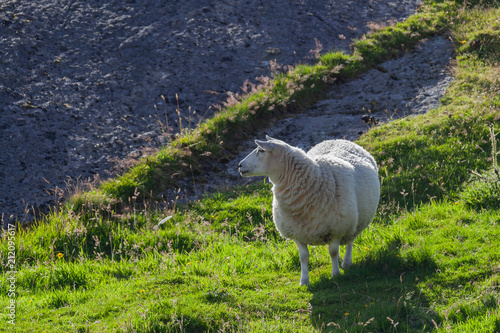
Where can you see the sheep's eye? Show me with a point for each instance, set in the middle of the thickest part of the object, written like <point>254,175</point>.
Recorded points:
<point>260,150</point>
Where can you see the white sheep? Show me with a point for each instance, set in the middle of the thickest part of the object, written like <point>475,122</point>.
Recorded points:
<point>327,196</point>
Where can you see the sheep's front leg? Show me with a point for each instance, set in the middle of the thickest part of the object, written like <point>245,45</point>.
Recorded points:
<point>304,261</point>
<point>346,263</point>
<point>334,253</point>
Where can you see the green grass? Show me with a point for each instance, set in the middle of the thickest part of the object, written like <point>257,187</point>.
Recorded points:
<point>429,262</point>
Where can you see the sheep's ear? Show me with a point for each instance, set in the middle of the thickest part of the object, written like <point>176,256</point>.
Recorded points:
<point>266,145</point>
<point>268,138</point>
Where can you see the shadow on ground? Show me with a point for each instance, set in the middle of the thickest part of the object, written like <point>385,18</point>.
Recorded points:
<point>381,293</point>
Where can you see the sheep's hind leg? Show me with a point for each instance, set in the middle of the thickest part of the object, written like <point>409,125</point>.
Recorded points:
<point>346,263</point>
<point>304,261</point>
<point>334,253</point>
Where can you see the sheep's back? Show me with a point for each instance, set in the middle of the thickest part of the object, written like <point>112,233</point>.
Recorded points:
<point>364,171</point>
<point>345,150</point>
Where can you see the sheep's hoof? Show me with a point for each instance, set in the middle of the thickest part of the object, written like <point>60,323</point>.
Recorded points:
<point>346,265</point>
<point>334,274</point>
<point>304,282</point>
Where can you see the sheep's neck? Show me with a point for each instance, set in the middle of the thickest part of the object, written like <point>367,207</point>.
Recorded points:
<point>290,187</point>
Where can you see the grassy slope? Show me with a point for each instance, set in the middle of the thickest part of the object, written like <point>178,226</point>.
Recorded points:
<point>287,92</point>
<point>429,261</point>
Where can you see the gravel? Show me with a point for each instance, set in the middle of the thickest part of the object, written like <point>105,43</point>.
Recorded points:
<point>81,82</point>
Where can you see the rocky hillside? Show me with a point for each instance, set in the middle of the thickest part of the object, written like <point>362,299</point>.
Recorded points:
<point>81,82</point>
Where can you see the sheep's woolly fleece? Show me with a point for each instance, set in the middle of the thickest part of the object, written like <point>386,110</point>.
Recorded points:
<point>331,192</point>
<point>79,80</point>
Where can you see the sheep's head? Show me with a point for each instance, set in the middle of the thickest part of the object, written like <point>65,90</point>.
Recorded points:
<point>263,160</point>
